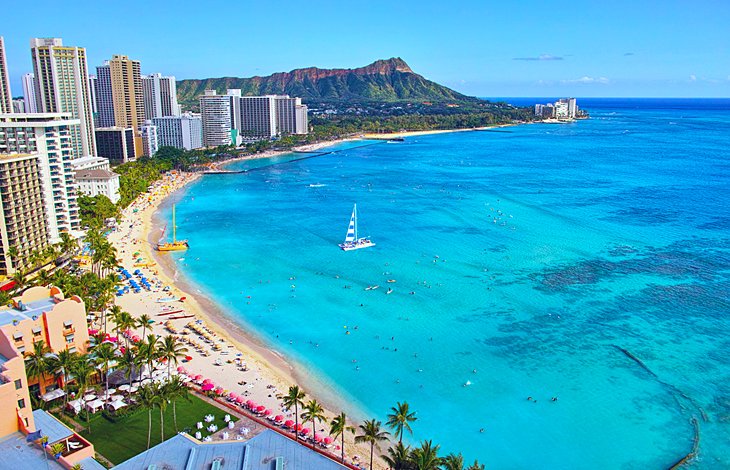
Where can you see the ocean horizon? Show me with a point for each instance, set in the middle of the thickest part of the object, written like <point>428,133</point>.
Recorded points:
<point>560,291</point>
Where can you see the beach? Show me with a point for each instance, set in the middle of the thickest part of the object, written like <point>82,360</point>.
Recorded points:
<point>220,349</point>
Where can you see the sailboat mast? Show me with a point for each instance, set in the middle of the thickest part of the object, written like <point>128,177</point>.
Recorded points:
<point>354,211</point>
<point>174,227</point>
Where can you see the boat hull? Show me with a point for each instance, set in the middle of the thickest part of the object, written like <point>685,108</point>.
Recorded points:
<point>177,246</point>
<point>356,245</point>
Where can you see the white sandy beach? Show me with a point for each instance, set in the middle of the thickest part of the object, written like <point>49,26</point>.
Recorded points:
<point>230,357</point>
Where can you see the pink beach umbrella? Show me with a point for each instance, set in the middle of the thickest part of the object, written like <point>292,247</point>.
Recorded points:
<point>267,412</point>
<point>207,387</point>
<point>289,423</point>
<point>207,381</point>
<point>232,396</point>
<point>260,409</point>
<point>93,331</point>
<point>278,418</point>
<point>219,390</point>
<point>250,403</point>
<point>328,440</point>
<point>299,427</point>
<point>181,369</point>
<point>239,400</point>
<point>305,431</point>
<point>317,437</point>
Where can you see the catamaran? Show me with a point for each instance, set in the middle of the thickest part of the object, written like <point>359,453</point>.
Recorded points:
<point>175,245</point>
<point>352,242</point>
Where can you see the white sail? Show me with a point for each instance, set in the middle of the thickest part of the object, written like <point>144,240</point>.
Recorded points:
<point>352,228</point>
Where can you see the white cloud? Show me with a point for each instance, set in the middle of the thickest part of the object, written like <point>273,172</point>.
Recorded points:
<point>693,78</point>
<point>587,80</point>
<point>540,57</point>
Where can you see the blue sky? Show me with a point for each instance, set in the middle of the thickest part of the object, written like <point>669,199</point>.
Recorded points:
<point>484,48</point>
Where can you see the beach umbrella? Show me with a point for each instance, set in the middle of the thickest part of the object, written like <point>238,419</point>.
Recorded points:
<point>207,381</point>
<point>299,427</point>
<point>317,438</point>
<point>279,418</point>
<point>188,358</point>
<point>240,400</point>
<point>124,388</point>
<point>289,423</point>
<point>328,440</point>
<point>305,431</point>
<point>232,395</point>
<point>260,409</point>
<point>219,390</point>
<point>198,377</point>
<point>267,412</point>
<point>181,369</point>
<point>207,387</point>
<point>250,404</point>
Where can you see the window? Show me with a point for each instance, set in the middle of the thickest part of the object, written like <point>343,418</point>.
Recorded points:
<point>72,349</point>
<point>69,339</point>
<point>21,403</point>
<point>18,384</point>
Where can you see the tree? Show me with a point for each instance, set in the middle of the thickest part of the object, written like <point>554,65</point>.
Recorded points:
<point>400,418</point>
<point>63,362</point>
<point>143,321</point>
<point>426,457</point>
<point>84,372</point>
<point>102,355</point>
<point>453,462</point>
<point>38,363</point>
<point>372,434</point>
<point>294,398</point>
<point>130,362</point>
<point>68,244</point>
<point>398,457</point>
<point>42,278</point>
<point>13,255</point>
<point>147,398</point>
<point>338,427</point>
<point>171,349</point>
<point>162,400</point>
<point>176,390</point>
<point>313,411</point>
<point>148,351</point>
<point>476,466</point>
<point>114,313</point>
<point>20,280</point>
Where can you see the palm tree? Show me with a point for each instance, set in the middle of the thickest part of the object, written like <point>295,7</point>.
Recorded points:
<point>143,321</point>
<point>148,352</point>
<point>130,362</point>
<point>96,340</point>
<point>313,411</point>
<point>453,462</point>
<point>42,278</point>
<point>38,363</point>
<point>162,400</point>
<point>13,255</point>
<point>124,322</point>
<point>147,397</point>
<point>102,355</point>
<point>84,371</point>
<point>372,434</point>
<point>294,398</point>
<point>338,427</point>
<point>400,418</point>
<point>20,280</point>
<point>64,362</point>
<point>476,466</point>
<point>398,457</point>
<point>68,243</point>
<point>171,349</point>
<point>426,457</point>
<point>176,390</point>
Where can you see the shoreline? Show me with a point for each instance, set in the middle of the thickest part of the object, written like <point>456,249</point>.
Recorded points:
<point>273,372</point>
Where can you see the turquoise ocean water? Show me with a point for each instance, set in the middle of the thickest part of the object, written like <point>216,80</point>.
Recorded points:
<point>588,262</point>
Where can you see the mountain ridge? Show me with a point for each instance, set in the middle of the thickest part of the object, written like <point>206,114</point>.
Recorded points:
<point>386,80</point>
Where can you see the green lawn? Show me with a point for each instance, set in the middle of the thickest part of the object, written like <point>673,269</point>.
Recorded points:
<point>128,436</point>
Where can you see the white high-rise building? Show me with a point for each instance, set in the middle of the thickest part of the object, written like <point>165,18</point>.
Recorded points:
<point>62,86</point>
<point>51,136</point>
<point>216,112</point>
<point>19,105</point>
<point>160,96</point>
<point>6,97</point>
<point>291,116</point>
<point>150,141</point>
<point>29,93</point>
<point>183,132</point>
<point>94,104</point>
<point>572,108</point>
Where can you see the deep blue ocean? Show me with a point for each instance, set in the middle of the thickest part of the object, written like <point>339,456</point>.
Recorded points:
<point>587,262</point>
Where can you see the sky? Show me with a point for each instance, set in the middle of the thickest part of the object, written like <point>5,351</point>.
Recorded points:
<point>639,48</point>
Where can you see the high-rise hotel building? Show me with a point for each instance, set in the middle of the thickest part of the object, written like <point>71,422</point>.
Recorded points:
<point>50,136</point>
<point>62,86</point>
<point>29,93</point>
<point>6,98</point>
<point>218,115</point>
<point>160,96</point>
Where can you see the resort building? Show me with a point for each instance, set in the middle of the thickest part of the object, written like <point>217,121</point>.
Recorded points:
<point>23,222</point>
<point>291,116</point>
<point>50,135</point>
<point>40,313</point>
<point>94,103</point>
<point>258,117</point>
<point>160,96</point>
<point>563,109</point>
<point>116,144</point>
<point>98,182</point>
<point>217,116</point>
<point>103,94</point>
<point>18,105</point>
<point>150,142</point>
<point>265,451</point>
<point>28,81</point>
<point>183,132</point>
<point>90,163</point>
<point>6,97</point>
<point>62,86</point>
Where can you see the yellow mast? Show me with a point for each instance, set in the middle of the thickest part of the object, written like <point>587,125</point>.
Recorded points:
<point>174,227</point>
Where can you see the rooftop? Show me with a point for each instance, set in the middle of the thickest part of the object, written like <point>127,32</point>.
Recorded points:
<point>50,426</point>
<point>259,453</point>
<point>17,453</point>
<point>9,314</point>
<point>95,175</point>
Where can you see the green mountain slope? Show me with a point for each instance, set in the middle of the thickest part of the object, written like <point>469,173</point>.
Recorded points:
<point>383,80</point>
